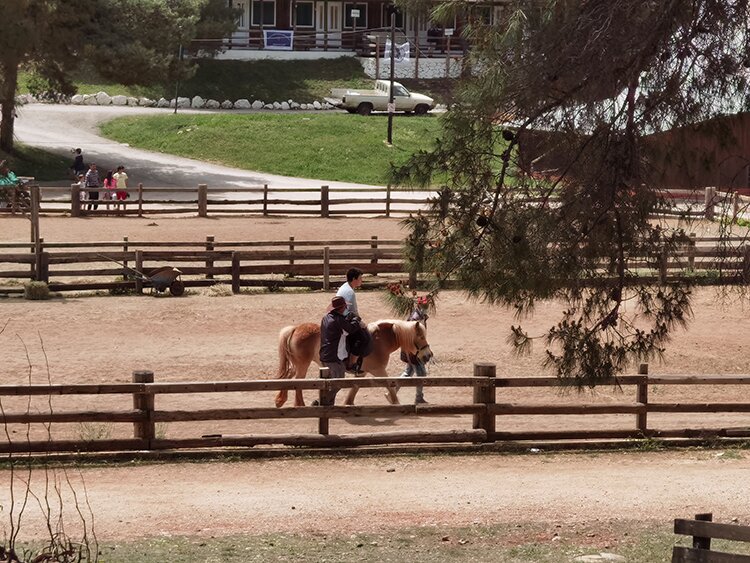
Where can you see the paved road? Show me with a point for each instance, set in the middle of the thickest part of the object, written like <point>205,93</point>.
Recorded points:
<point>60,128</point>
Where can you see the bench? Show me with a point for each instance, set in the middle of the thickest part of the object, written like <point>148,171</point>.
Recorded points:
<point>703,530</point>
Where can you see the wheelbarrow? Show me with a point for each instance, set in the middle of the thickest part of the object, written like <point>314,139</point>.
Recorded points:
<point>165,278</point>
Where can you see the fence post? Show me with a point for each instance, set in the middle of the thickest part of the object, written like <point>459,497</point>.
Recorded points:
<point>324,201</point>
<point>144,402</point>
<point>265,200</point>
<point>484,394</point>
<point>388,201</point>
<point>209,263</point>
<point>735,206</point>
<point>291,255</point>
<point>663,257</point>
<point>377,57</point>
<point>324,373</point>
<point>138,268</point>
<point>125,249</point>
<point>642,397</point>
<point>140,200</point>
<point>700,542</point>
<point>202,200</point>
<point>448,57</point>
<point>709,202</point>
<point>691,252</point>
<point>235,272</point>
<point>374,259</point>
<point>75,200</point>
<point>326,268</point>
<point>413,279</point>
<point>35,238</point>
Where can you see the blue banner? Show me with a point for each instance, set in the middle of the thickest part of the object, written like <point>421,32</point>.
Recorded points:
<point>278,39</point>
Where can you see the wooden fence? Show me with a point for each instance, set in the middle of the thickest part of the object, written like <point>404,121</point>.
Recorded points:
<point>69,266</point>
<point>486,412</point>
<point>75,266</point>
<point>324,201</point>
<point>703,530</point>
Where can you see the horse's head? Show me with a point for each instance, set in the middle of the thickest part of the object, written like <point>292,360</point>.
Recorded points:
<point>411,337</point>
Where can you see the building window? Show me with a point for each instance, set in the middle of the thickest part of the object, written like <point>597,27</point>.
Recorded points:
<point>387,17</point>
<point>304,14</point>
<point>361,19</point>
<point>264,12</point>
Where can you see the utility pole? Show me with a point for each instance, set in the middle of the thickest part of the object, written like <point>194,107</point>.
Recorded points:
<point>177,84</point>
<point>391,98</point>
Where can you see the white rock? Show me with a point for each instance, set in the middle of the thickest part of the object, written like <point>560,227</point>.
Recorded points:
<point>290,102</point>
<point>183,102</point>
<point>226,104</point>
<point>89,100</point>
<point>132,101</point>
<point>119,100</point>
<point>285,105</point>
<point>294,105</point>
<point>163,103</point>
<point>197,102</point>
<point>77,99</point>
<point>213,104</point>
<point>242,104</point>
<point>146,102</point>
<point>268,106</point>
<point>276,105</point>
<point>257,104</point>
<point>103,99</point>
<point>600,558</point>
<point>316,104</point>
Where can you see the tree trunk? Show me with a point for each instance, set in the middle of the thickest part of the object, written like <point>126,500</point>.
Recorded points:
<point>8,86</point>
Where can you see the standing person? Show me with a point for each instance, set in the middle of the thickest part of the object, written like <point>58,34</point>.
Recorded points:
<point>360,343</point>
<point>92,181</point>
<point>78,166</point>
<point>82,195</point>
<point>122,183</point>
<point>110,185</point>
<point>415,366</point>
<point>334,324</point>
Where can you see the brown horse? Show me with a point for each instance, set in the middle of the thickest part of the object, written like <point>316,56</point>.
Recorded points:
<point>299,346</point>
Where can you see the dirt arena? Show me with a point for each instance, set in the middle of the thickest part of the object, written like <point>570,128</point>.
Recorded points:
<point>203,337</point>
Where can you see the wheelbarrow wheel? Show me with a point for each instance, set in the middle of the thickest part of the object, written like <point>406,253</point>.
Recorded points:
<point>177,288</point>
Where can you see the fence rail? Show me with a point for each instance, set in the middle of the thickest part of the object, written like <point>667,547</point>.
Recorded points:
<point>703,530</point>
<point>484,407</point>
<point>79,266</point>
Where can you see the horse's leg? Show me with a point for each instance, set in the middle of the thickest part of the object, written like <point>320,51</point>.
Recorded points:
<point>299,400</point>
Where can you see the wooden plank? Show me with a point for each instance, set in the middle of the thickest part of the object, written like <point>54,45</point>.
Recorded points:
<point>291,412</point>
<point>72,416</point>
<point>712,530</point>
<point>699,380</point>
<point>557,409</point>
<point>699,407</point>
<point>682,554</point>
<point>73,446</point>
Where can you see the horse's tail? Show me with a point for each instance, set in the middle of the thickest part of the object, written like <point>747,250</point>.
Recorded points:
<point>286,369</point>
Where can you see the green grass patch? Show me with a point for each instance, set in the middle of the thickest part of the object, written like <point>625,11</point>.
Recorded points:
<point>340,147</point>
<point>42,165</point>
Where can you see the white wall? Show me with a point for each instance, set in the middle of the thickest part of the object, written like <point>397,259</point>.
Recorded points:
<point>428,68</point>
<point>254,54</point>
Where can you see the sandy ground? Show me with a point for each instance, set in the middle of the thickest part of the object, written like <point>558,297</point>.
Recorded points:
<point>211,338</point>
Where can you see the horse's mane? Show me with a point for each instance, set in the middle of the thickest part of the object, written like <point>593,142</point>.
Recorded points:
<point>403,331</point>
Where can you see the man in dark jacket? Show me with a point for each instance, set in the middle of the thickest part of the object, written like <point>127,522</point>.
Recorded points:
<point>332,352</point>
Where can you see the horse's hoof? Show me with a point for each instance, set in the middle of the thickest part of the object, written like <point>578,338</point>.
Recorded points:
<point>391,400</point>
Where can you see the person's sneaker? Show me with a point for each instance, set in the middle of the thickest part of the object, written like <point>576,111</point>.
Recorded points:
<point>420,401</point>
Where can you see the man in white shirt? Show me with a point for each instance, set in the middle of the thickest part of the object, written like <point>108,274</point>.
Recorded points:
<point>358,344</point>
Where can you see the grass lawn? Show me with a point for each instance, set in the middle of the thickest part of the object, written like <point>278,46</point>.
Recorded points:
<point>322,146</point>
<point>42,165</point>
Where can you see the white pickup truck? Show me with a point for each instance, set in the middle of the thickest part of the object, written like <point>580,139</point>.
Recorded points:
<point>365,102</point>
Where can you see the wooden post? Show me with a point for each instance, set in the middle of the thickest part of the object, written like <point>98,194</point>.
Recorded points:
<point>641,419</point>
<point>388,201</point>
<point>265,200</point>
<point>691,252</point>
<point>209,262</point>
<point>324,373</point>
<point>139,268</point>
<point>709,202</point>
<point>699,542</point>
<point>35,238</point>
<point>374,259</point>
<point>448,56</point>
<point>144,402</point>
<point>326,268</point>
<point>75,200</point>
<point>663,257</point>
<point>735,206</point>
<point>484,393</point>
<point>44,267</point>
<point>324,201</point>
<point>291,254</point>
<point>125,249</point>
<point>140,199</point>
<point>413,279</point>
<point>202,200</point>
<point>377,57</point>
<point>235,272</point>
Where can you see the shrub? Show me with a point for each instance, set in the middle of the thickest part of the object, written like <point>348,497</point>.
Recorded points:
<point>36,291</point>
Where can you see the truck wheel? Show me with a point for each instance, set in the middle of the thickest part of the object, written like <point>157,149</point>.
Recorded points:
<point>421,109</point>
<point>351,111</point>
<point>364,109</point>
